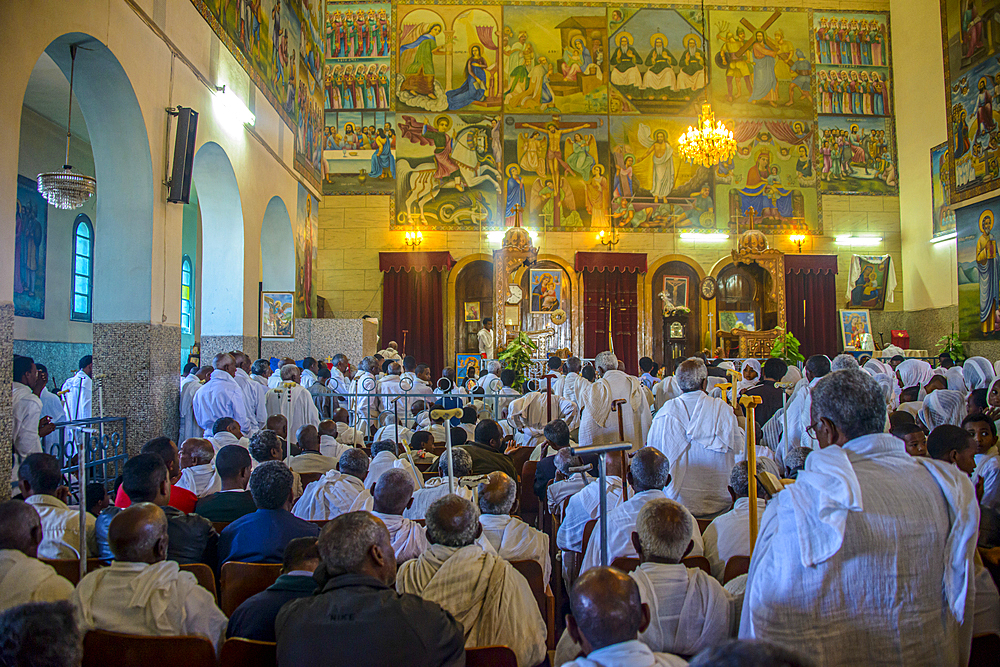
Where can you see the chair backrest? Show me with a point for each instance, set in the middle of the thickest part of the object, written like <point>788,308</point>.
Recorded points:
<point>985,649</point>
<point>588,530</point>
<point>735,566</point>
<point>204,575</point>
<point>69,568</point>
<point>520,456</point>
<point>703,524</point>
<point>625,564</point>
<point>319,522</point>
<point>243,580</point>
<point>101,649</point>
<point>220,526</point>
<point>532,571</point>
<point>631,564</point>
<point>238,652</point>
<point>490,656</point>
<point>528,502</point>
<point>701,562</point>
<point>309,477</point>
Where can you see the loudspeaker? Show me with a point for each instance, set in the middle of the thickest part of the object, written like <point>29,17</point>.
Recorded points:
<point>179,190</point>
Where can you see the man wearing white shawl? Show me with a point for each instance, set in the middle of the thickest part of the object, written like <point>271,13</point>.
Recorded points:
<point>701,437</point>
<point>729,534</point>
<point>189,425</point>
<point>24,578</point>
<point>393,493</point>
<point>665,390</point>
<point>142,593</point>
<point>978,373</point>
<point>253,392</point>
<point>565,385</point>
<point>868,557</point>
<point>221,397</point>
<point>509,537</point>
<point>648,474</point>
<point>529,413</point>
<point>384,458</point>
<point>466,484</point>
<point>484,593</point>
<point>599,423</point>
<point>197,470</point>
<point>585,505</point>
<point>942,406</point>
<point>293,401</point>
<point>817,366</point>
<point>364,406</point>
<point>227,432</point>
<point>337,493</point>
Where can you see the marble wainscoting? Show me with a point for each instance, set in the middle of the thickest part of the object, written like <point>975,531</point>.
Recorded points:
<point>212,345</point>
<point>6,411</point>
<point>325,337</point>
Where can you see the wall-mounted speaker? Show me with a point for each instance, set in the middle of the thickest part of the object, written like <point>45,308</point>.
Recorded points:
<point>179,187</point>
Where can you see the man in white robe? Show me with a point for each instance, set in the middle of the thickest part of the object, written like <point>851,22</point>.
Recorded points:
<point>26,409</point>
<point>197,468</point>
<point>511,538</point>
<point>336,493</point>
<point>390,384</point>
<point>530,414</point>
<point>227,432</point>
<point>507,378</point>
<point>486,339</point>
<point>79,390</point>
<point>293,401</point>
<point>384,458</point>
<point>274,379</point>
<point>221,397</point>
<point>585,505</point>
<point>466,484</point>
<point>729,534</point>
<point>339,382</point>
<point>490,382</point>
<point>24,578</point>
<point>142,593</point>
<point>566,482</point>
<point>665,390</point>
<point>311,459</point>
<point>565,385</point>
<point>701,436</point>
<point>391,352</point>
<point>798,408</point>
<point>309,369</point>
<point>648,474</point>
<point>40,483</point>
<point>392,494</point>
<point>364,405</point>
<point>484,593</point>
<point>599,423</point>
<point>329,445</point>
<point>189,425</point>
<point>868,557</point>
<point>52,407</point>
<point>253,392</point>
<point>260,372</point>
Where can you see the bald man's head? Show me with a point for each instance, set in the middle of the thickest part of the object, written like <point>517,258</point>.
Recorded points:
<point>452,521</point>
<point>224,361</point>
<point>342,415</point>
<point>393,491</point>
<point>138,534</point>
<point>196,452</point>
<point>308,438</point>
<point>20,527</point>
<point>204,373</point>
<point>497,494</point>
<point>278,424</point>
<point>606,609</point>
<point>328,427</point>
<point>649,470</point>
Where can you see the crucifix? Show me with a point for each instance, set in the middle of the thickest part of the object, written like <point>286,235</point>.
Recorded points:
<point>753,33</point>
<point>554,131</point>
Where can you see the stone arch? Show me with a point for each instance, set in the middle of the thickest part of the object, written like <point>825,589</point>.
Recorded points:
<point>277,248</point>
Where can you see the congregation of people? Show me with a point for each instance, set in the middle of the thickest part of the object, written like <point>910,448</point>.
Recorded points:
<point>404,517</point>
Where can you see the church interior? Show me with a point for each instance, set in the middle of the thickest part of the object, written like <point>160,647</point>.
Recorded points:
<point>302,179</point>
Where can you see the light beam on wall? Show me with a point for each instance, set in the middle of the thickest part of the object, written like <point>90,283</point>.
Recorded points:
<point>851,240</point>
<point>232,109</point>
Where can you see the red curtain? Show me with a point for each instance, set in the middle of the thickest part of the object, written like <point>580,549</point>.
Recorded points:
<point>811,302</point>
<point>412,300</point>
<point>614,291</point>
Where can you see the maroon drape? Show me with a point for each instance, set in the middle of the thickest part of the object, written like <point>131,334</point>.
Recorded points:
<point>615,290</point>
<point>412,300</point>
<point>811,302</point>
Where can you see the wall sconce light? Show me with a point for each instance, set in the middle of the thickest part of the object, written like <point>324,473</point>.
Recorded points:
<point>798,240</point>
<point>610,238</point>
<point>233,107</point>
<point>413,239</point>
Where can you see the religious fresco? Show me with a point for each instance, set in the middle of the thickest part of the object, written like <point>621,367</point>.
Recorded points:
<point>556,171</point>
<point>305,230</point>
<point>652,187</point>
<point>761,65</point>
<point>856,155</point>
<point>773,174</point>
<point>448,171</point>
<point>858,39</point>
<point>555,59</point>
<point>448,58</point>
<point>356,83</point>
<point>657,63</point>
<point>978,271</point>
<point>850,91</point>
<point>359,153</point>
<point>943,212</point>
<point>358,56</point>
<point>279,44</point>
<point>309,135</point>
<point>30,242</point>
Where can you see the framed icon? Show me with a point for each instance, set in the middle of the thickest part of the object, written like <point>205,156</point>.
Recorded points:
<point>472,311</point>
<point>276,318</point>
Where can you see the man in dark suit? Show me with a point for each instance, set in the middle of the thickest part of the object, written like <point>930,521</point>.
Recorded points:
<point>233,466</point>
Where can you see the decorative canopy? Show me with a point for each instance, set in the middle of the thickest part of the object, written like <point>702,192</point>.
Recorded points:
<point>611,261</point>
<point>415,261</point>
<point>817,264</point>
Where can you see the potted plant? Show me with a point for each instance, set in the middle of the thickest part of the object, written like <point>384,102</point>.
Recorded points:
<point>786,346</point>
<point>517,354</point>
<point>952,345</point>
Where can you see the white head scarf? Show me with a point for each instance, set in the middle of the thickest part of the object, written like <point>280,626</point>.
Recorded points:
<point>745,384</point>
<point>914,372</point>
<point>978,373</point>
<point>792,375</point>
<point>943,406</point>
<point>874,367</point>
<point>956,379</point>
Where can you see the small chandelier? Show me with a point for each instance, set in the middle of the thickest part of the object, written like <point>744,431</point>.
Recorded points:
<point>709,144</point>
<point>65,188</point>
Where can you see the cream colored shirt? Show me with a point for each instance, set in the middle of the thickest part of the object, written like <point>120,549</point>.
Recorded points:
<point>24,579</point>
<point>61,528</point>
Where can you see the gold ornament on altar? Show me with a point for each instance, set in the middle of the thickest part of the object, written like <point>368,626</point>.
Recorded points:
<point>709,144</point>
<point>517,238</point>
<point>752,241</point>
<point>558,316</point>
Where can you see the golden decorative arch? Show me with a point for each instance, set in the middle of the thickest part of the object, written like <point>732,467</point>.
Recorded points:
<point>450,304</point>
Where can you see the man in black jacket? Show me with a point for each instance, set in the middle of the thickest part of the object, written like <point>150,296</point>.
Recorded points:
<point>773,371</point>
<point>145,479</point>
<point>357,619</point>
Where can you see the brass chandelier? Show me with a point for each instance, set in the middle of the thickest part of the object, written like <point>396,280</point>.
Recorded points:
<point>708,144</point>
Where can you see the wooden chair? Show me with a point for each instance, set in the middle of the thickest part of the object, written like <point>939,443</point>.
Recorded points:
<point>532,571</point>
<point>101,649</point>
<point>238,652</point>
<point>701,562</point>
<point>703,524</point>
<point>220,526</point>
<point>735,566</point>
<point>319,522</point>
<point>528,507</point>
<point>625,564</point>
<point>490,656</point>
<point>588,530</point>
<point>309,477</point>
<point>69,568</point>
<point>243,580</point>
<point>520,456</point>
<point>203,573</point>
<point>631,564</point>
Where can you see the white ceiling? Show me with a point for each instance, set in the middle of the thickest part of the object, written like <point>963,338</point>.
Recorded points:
<point>48,93</point>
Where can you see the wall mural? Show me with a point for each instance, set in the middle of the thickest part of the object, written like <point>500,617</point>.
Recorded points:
<point>978,271</point>
<point>944,213</point>
<point>856,155</point>
<point>30,242</point>
<point>305,229</point>
<point>279,44</point>
<point>972,77</point>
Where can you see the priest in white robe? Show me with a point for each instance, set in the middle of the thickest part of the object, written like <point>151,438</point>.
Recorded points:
<point>274,379</point>
<point>384,458</point>
<point>197,468</point>
<point>392,494</point>
<point>391,351</point>
<point>565,385</point>
<point>585,505</point>
<point>484,593</point>
<point>729,534</point>
<point>511,538</point>
<point>339,381</point>
<point>52,407</point>
<point>798,408</point>
<point>221,397</point>
<point>78,391</point>
<point>227,432</point>
<point>599,423</point>
<point>260,372</point>
<point>336,493</point>
<point>648,474</point>
<point>142,593</point>
<point>253,393</point>
<point>530,413</point>
<point>868,557</point>
<point>309,369</point>
<point>189,424</point>
<point>293,401</point>
<point>24,578</point>
<point>701,436</point>
<point>365,405</point>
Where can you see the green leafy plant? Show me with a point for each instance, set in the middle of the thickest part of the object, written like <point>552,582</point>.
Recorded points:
<point>786,346</point>
<point>952,345</point>
<point>517,354</point>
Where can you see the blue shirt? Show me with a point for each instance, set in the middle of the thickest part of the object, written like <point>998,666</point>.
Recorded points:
<point>261,537</point>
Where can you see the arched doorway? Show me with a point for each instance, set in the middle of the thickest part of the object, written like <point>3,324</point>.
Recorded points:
<point>473,290</point>
<point>277,248</point>
<point>669,349</point>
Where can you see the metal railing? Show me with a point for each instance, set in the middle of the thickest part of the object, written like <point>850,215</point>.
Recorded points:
<point>103,443</point>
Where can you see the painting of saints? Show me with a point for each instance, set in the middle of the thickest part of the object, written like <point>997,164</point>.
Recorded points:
<point>545,291</point>
<point>737,65</point>
<point>597,197</point>
<point>866,289</point>
<point>623,174</point>
<point>663,161</point>
<point>661,63</point>
<point>441,138</point>
<point>692,74</point>
<point>419,72</point>
<point>625,63</point>
<point>515,194</point>
<point>765,82</point>
<point>986,263</point>
<point>473,89</point>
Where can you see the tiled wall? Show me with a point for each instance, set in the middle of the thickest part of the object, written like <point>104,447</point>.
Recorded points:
<point>62,359</point>
<point>323,338</point>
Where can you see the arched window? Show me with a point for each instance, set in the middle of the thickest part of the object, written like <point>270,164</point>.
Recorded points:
<point>83,269</point>
<point>187,296</point>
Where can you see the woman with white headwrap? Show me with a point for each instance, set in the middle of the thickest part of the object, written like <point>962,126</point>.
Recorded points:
<point>943,406</point>
<point>978,373</point>
<point>749,367</point>
<point>956,379</point>
<point>914,373</point>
